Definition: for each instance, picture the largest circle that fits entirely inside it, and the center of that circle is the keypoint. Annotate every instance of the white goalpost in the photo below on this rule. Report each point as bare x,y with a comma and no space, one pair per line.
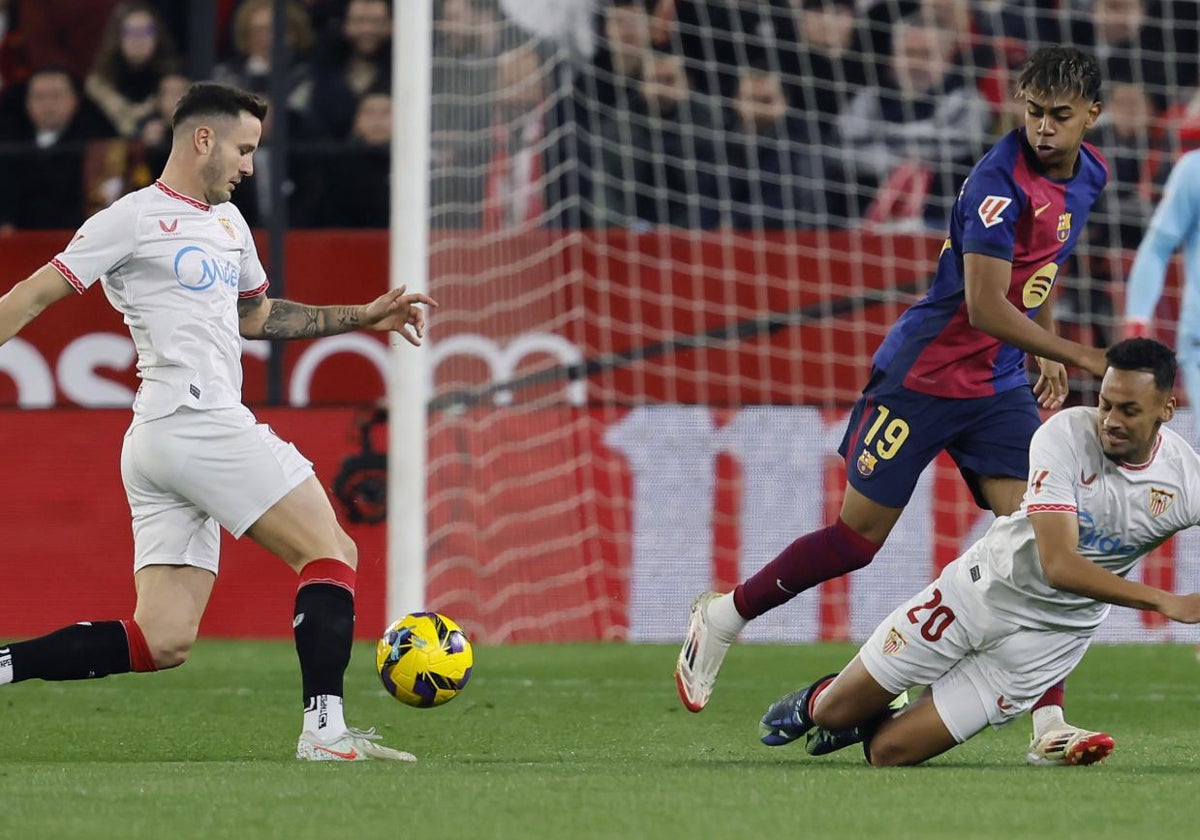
408,385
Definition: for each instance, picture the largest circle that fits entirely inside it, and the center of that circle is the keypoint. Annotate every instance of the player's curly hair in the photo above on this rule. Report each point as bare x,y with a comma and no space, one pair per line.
1055,71
209,99
1148,355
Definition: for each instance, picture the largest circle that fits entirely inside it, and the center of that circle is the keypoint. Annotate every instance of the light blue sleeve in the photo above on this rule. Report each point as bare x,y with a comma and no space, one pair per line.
1173,220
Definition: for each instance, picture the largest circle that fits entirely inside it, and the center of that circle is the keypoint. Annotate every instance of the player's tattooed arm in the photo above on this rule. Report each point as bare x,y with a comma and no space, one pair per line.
396,311
273,318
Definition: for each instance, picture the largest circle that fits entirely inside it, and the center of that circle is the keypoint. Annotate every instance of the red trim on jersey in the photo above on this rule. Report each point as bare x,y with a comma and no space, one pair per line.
1149,461
68,275
140,659
327,571
257,291
1099,156
1051,508
856,437
199,205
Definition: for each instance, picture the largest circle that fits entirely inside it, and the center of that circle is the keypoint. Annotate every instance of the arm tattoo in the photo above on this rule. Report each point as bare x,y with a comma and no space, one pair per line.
288,319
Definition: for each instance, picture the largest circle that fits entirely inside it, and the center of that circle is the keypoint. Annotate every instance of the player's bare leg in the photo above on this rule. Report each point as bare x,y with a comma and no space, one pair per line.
853,702
302,529
1054,741
716,619
170,603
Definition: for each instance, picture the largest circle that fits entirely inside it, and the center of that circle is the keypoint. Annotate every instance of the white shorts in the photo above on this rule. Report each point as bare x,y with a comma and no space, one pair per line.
187,472
983,669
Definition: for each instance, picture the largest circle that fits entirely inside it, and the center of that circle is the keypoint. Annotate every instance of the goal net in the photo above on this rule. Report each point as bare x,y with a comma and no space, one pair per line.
666,238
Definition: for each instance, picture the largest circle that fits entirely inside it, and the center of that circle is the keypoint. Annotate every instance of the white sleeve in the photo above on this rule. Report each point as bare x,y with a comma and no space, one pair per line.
253,277
1053,464
103,244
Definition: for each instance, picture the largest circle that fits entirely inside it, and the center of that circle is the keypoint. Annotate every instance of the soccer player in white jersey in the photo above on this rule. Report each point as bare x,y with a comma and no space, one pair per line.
1015,613
177,260
1176,223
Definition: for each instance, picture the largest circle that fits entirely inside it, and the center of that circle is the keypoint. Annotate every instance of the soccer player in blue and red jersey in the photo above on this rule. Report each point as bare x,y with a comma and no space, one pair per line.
950,375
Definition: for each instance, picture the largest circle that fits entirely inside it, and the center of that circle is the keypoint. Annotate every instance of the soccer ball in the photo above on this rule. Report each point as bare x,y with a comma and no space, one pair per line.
424,659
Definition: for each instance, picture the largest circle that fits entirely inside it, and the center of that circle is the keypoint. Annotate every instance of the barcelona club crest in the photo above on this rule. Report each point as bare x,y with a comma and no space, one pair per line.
866,464
1160,500
1064,227
228,225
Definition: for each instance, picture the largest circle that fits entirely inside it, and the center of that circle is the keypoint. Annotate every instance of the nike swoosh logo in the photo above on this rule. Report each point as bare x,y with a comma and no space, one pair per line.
349,754
1037,211
783,588
1086,480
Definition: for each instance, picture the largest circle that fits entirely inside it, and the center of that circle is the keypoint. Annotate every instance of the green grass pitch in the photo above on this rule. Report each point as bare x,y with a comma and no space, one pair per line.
570,741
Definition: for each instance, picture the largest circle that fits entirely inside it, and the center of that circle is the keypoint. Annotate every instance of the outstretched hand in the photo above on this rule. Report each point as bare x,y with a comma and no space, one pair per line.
1051,387
397,311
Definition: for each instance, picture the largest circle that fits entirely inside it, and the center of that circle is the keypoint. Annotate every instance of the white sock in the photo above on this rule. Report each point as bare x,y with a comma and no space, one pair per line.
726,621
323,717
1047,719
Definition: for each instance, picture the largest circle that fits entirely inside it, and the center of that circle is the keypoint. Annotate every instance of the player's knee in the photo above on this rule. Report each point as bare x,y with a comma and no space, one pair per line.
170,647
885,750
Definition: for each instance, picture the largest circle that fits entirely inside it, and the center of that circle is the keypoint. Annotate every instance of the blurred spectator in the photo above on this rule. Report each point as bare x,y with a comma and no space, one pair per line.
623,43
516,172
250,68
467,39
348,185
135,53
1123,135
773,180
324,15
922,114
824,67
659,166
13,61
155,129
355,59
719,38
64,34
1158,40
42,187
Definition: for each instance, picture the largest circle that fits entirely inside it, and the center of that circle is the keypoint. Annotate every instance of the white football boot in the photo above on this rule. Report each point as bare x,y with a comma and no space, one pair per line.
703,651
351,745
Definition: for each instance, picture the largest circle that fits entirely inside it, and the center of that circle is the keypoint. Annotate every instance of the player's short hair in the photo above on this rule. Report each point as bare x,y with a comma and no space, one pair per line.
1148,355
209,99
1053,71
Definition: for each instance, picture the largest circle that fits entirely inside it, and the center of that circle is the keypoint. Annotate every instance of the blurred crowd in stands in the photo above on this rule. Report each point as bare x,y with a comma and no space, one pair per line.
745,114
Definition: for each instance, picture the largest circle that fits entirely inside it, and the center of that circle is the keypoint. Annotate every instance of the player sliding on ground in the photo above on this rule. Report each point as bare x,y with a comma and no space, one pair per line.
950,376
177,260
1015,613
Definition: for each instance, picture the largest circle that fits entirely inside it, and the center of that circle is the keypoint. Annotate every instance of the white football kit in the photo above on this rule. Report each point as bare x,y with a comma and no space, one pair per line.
990,635
194,456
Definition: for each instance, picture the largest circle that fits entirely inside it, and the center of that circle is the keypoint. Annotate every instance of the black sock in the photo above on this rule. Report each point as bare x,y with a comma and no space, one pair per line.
324,630
79,652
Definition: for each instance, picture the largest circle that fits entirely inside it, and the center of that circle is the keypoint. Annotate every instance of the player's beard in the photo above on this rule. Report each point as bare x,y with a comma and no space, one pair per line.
216,187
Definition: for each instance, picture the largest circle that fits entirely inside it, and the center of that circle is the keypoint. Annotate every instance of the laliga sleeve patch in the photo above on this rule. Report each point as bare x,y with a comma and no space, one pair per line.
991,208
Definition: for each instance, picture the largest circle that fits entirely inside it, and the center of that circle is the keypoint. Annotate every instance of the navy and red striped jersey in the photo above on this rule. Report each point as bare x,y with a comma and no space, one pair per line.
1008,210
